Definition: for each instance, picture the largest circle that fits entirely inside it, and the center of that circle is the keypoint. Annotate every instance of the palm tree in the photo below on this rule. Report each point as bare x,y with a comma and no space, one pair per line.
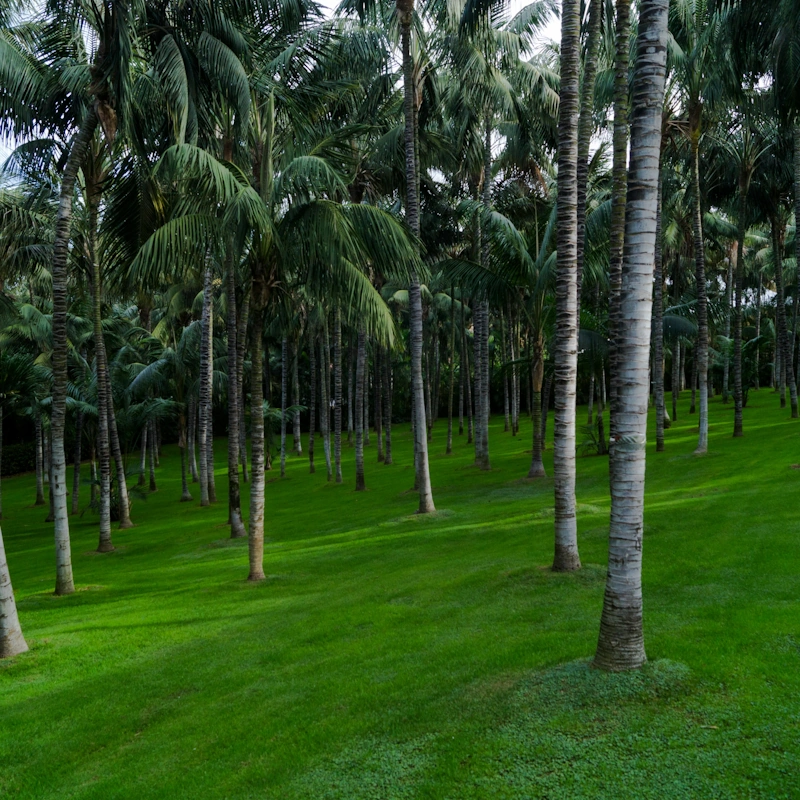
566,344
621,641
12,642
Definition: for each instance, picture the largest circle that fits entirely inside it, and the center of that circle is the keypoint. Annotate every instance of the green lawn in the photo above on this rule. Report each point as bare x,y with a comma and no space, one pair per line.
390,656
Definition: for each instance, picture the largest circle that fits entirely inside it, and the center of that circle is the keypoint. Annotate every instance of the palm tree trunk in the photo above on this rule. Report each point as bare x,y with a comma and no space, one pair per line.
738,386
701,345
786,373
585,130
143,455
566,346
312,401
504,337
186,496
658,325
728,297
377,386
64,580
105,544
325,407
452,356
366,399
337,392
206,374
387,416
241,348
621,642
123,504
360,359
234,402
350,392
152,452
37,425
284,381
76,463
537,368
191,437
676,377
255,537
1,461
297,442
693,379
477,323
405,10
468,384
12,642
93,470
619,192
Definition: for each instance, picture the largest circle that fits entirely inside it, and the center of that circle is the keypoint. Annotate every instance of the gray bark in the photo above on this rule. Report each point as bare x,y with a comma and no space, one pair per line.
621,642
12,642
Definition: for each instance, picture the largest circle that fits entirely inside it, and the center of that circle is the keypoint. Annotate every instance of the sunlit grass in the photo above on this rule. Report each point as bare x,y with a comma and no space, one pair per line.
394,656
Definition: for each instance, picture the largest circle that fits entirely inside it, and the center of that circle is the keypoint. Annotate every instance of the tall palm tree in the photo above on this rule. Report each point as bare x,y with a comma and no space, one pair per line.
621,641
566,344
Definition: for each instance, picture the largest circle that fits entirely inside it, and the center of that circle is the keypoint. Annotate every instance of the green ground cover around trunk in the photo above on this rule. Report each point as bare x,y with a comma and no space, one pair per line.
392,656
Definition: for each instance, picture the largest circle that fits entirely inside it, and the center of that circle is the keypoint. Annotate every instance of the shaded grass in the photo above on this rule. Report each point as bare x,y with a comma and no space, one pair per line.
396,656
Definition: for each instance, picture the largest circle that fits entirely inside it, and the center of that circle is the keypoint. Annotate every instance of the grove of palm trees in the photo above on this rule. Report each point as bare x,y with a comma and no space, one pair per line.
396,402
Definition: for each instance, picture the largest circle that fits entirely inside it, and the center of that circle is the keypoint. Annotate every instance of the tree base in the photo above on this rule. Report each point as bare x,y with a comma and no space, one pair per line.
566,559
537,471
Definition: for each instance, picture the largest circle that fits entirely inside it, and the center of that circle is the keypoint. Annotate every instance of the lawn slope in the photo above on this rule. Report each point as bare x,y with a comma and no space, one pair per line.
393,656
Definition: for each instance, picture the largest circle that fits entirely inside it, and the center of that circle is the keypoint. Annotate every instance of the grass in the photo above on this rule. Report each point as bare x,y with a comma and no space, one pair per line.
392,656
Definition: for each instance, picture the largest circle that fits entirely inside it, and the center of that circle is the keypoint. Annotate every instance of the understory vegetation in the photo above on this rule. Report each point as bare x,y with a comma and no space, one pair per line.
424,656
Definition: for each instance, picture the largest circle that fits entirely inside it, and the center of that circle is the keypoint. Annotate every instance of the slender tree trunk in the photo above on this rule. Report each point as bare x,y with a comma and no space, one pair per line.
621,641
619,192
64,580
76,464
325,407
297,442
1,461
255,535
124,505
701,345
470,406
405,10
585,130
93,470
12,642
284,381
378,394
142,455
658,325
566,347
693,404
312,401
206,376
676,377
152,450
537,368
37,425
506,396
234,401
452,357
728,298
192,437
337,392
477,323
186,496
366,399
241,349
105,544
738,384
350,392
360,359
387,389
786,373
